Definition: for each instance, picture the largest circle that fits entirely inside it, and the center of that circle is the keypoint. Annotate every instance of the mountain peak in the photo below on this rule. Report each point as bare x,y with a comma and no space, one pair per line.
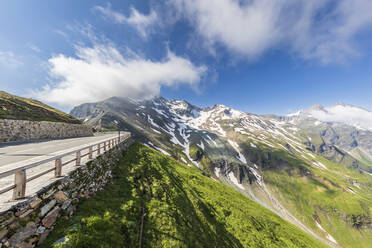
181,105
345,105
317,107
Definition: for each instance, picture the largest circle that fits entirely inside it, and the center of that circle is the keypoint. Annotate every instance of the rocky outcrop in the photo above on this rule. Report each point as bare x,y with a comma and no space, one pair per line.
22,130
28,223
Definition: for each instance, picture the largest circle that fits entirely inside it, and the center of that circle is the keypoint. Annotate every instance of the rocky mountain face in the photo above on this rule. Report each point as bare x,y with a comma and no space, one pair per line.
339,131
307,167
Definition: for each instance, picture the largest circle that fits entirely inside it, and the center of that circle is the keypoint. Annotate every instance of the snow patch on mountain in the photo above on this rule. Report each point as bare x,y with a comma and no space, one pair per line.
161,112
201,145
319,164
295,114
234,180
256,175
156,131
236,147
184,160
151,121
217,171
150,144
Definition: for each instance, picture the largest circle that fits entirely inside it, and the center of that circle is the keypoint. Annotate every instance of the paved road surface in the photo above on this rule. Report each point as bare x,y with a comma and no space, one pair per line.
20,152
18,155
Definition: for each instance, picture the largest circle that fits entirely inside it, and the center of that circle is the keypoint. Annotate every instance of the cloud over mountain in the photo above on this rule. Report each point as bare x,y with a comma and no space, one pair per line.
101,71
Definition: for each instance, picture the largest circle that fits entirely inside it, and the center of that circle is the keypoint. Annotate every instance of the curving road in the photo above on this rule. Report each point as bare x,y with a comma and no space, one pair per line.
13,155
17,152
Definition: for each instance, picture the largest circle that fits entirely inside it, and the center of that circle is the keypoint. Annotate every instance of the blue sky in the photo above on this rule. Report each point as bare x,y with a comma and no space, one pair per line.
257,56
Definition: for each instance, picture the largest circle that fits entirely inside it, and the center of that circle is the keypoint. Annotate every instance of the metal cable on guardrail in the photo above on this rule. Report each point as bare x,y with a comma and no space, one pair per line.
20,178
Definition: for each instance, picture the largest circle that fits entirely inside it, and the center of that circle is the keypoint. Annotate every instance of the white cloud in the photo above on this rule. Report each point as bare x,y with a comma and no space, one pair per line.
99,72
136,19
346,114
9,60
320,29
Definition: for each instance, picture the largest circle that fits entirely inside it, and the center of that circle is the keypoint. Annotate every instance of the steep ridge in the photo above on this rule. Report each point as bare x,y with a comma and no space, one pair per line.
20,108
287,164
156,201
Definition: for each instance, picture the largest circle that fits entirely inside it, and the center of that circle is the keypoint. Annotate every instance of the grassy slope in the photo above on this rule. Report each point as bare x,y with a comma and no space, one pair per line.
325,196
183,209
364,158
19,108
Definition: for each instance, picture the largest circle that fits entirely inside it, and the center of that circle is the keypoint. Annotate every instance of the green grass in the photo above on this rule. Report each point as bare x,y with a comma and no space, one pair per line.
200,156
20,108
325,194
181,208
364,159
310,192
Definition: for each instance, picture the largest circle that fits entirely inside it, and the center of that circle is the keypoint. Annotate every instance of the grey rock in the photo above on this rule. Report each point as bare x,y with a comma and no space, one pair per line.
66,204
40,229
22,234
35,203
47,207
25,214
40,130
51,217
3,233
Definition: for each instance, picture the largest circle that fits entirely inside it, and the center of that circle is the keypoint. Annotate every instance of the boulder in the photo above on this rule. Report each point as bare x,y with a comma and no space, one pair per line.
22,234
47,207
43,237
40,229
25,214
3,233
51,217
66,204
60,197
35,203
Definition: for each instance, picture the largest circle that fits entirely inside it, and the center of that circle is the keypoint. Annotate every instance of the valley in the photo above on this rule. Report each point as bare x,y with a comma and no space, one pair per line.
287,164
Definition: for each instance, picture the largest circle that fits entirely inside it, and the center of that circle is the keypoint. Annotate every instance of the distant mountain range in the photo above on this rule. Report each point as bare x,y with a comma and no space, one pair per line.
339,114
342,126
312,168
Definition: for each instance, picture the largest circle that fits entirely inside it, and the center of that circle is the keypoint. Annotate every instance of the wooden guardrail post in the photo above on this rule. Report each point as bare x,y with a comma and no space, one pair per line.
78,158
104,146
98,149
90,156
58,165
20,185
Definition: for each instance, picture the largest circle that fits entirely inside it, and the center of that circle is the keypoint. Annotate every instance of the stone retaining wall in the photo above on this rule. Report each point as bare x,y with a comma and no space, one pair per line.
27,224
22,130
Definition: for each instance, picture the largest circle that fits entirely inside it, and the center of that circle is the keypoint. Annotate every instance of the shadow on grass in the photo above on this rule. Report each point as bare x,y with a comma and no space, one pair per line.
176,215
